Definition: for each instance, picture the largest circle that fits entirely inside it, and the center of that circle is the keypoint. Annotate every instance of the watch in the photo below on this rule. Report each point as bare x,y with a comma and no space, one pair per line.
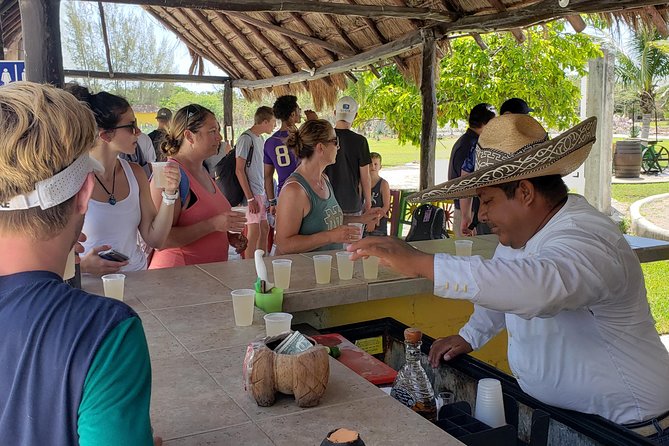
169,200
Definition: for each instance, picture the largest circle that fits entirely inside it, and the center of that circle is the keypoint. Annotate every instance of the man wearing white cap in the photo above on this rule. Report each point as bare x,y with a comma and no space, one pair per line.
74,367
349,175
564,282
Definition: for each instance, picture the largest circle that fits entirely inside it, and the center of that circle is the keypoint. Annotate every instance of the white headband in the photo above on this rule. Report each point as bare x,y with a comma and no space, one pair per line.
57,189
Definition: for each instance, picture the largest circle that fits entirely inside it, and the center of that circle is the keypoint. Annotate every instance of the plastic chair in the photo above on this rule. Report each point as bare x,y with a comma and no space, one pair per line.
394,211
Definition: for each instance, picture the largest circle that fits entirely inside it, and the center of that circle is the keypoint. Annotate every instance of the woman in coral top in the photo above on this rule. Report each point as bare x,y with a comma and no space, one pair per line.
202,217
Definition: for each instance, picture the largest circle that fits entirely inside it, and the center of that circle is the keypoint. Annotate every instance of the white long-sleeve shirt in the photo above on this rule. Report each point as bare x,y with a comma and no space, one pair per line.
573,301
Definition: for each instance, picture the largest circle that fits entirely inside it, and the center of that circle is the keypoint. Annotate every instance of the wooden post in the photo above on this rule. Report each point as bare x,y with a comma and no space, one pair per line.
228,128
41,39
2,45
428,136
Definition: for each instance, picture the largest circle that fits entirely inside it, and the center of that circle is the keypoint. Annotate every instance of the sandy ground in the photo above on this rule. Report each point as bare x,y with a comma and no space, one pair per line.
657,212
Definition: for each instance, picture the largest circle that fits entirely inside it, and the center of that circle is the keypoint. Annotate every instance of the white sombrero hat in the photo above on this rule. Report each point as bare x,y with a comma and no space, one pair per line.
513,147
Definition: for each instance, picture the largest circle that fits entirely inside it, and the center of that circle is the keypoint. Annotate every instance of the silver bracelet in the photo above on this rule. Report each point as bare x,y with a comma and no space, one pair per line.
169,200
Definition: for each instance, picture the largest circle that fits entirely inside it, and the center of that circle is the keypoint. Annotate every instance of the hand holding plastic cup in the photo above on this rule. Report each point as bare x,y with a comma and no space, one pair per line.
282,269
322,268
277,323
370,267
158,174
463,247
344,265
242,306
113,285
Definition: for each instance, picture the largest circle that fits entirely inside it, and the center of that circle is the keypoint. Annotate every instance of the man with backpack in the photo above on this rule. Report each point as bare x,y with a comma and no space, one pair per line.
250,173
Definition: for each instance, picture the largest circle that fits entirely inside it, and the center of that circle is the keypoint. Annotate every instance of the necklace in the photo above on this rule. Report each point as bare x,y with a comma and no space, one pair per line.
112,198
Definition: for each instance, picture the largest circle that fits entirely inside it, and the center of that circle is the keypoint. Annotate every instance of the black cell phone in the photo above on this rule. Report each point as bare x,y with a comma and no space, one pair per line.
113,255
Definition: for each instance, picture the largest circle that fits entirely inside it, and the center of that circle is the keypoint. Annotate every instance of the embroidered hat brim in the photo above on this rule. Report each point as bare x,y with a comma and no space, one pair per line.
558,156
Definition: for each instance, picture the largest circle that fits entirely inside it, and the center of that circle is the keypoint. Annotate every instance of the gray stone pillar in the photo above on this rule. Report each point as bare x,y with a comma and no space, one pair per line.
599,103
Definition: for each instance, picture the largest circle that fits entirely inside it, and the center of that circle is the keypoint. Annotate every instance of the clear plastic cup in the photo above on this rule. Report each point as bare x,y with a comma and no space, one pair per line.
370,267
360,227
113,285
282,269
323,268
277,323
463,247
344,265
489,403
158,174
242,306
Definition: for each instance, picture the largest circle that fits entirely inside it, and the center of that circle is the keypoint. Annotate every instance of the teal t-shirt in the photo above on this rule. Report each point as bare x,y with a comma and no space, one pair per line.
114,408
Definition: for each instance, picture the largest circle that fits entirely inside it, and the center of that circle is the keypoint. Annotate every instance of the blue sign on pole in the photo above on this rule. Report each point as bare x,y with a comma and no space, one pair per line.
12,71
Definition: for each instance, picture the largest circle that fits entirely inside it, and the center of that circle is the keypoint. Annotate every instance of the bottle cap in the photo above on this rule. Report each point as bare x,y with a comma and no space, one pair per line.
413,335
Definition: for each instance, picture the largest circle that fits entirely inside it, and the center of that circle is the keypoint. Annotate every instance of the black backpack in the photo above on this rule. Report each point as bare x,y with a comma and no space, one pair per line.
427,223
226,177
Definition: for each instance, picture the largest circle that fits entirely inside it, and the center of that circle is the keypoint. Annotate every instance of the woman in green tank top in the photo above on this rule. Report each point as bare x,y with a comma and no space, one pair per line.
308,217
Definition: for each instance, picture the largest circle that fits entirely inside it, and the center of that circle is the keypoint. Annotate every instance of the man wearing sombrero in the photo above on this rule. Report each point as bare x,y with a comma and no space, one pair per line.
564,282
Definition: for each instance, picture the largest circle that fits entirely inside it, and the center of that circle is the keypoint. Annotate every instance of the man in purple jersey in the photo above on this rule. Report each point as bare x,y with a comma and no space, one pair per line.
277,156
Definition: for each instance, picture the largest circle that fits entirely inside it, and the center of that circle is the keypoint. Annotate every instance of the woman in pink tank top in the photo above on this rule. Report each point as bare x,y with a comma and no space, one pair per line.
202,217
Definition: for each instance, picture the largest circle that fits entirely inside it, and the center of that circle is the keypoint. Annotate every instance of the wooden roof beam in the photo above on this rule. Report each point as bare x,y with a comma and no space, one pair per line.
204,52
276,51
287,32
151,77
500,7
231,26
156,13
224,42
322,7
577,22
380,53
294,46
658,20
537,13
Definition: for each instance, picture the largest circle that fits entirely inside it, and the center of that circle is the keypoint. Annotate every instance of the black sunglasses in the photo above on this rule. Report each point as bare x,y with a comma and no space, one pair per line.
132,126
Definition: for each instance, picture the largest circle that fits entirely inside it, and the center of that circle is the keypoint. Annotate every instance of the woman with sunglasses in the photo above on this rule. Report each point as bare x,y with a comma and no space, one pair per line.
203,216
307,194
121,206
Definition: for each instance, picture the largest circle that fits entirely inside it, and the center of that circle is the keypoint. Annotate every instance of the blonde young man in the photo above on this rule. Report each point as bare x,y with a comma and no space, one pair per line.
250,173
74,368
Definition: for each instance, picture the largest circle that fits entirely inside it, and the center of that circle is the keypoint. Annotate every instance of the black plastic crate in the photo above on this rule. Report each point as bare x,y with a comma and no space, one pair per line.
535,432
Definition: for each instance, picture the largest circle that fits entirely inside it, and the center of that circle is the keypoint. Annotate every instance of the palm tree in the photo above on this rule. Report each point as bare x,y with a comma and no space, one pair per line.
641,66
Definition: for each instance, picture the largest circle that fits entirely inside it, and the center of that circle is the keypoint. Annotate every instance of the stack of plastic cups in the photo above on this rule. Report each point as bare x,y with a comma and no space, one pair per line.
489,403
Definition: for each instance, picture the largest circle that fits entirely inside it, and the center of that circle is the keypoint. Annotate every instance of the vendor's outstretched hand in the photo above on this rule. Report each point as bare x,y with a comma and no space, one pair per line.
396,254
448,348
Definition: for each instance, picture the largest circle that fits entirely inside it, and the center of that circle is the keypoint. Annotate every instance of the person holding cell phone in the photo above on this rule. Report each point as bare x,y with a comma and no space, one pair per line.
121,209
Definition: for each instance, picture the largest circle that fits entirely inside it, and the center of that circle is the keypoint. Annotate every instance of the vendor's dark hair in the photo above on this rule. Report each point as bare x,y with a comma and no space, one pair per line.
284,106
304,140
190,117
106,107
550,186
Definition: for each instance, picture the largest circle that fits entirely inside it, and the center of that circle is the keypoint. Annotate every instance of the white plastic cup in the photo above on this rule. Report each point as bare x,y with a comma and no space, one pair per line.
158,169
277,323
113,285
242,306
444,399
490,403
322,268
69,266
282,269
463,247
370,267
344,265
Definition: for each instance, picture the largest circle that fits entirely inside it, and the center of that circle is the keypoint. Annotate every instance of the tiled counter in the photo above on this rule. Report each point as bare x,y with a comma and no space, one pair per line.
196,356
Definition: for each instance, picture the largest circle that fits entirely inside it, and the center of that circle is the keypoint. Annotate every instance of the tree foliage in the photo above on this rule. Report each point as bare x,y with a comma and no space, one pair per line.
133,48
544,71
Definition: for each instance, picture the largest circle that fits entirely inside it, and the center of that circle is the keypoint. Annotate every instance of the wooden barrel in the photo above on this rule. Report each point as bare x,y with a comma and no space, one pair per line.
627,158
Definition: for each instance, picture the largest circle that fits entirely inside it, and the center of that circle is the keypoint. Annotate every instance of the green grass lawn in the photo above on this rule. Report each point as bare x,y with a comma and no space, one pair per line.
396,155
655,273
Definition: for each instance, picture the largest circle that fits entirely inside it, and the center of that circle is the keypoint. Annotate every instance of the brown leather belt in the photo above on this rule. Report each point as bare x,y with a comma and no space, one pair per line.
647,428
